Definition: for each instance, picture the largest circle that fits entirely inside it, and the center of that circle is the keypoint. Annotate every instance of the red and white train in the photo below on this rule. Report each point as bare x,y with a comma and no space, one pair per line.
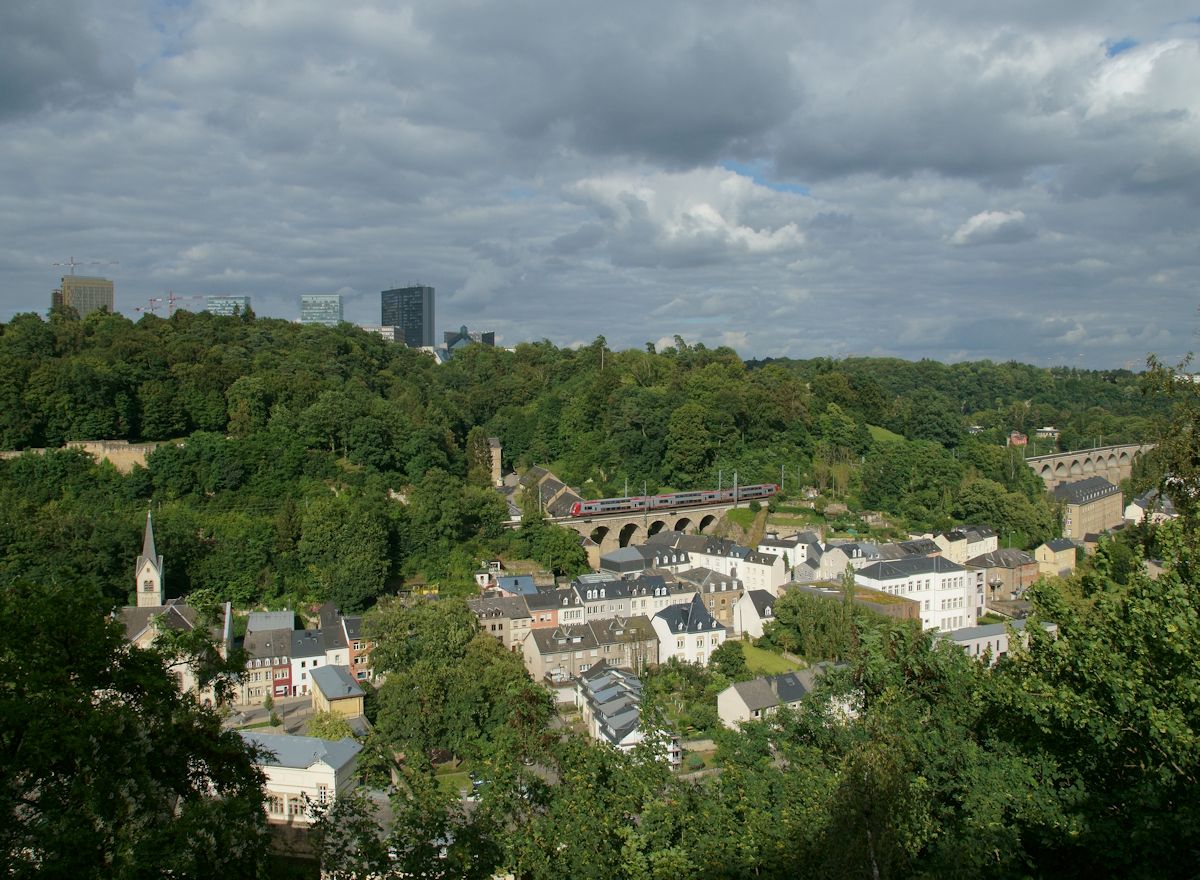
671,500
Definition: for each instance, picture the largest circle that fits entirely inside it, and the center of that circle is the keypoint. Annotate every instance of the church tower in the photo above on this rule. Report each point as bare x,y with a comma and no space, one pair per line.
148,572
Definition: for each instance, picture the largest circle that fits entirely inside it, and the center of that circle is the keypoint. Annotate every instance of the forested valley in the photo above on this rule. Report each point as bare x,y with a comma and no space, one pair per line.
300,464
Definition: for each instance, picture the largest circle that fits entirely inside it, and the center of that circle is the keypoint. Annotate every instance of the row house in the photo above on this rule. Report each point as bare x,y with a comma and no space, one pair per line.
650,594
268,665
688,633
1056,558
308,653
551,608
793,550
756,570
718,592
609,702
359,651
946,592
561,653
505,618
602,596
633,560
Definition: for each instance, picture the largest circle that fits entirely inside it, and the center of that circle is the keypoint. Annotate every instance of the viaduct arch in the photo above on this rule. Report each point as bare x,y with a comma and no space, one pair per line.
1114,463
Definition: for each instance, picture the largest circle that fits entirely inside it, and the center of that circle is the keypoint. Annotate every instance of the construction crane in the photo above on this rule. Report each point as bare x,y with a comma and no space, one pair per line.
173,298
72,263
152,305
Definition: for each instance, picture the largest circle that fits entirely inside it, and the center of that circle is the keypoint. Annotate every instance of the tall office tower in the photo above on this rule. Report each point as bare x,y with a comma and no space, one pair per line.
321,308
227,305
83,294
411,309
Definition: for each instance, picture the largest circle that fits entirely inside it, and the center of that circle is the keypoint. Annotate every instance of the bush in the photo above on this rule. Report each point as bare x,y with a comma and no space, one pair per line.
755,506
694,762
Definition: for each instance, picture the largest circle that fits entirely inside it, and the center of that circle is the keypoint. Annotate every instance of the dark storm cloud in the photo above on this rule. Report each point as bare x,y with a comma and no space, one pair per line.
949,179
50,58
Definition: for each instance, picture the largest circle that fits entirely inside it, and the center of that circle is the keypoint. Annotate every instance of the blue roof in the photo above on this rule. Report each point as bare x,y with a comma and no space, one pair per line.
335,682
522,584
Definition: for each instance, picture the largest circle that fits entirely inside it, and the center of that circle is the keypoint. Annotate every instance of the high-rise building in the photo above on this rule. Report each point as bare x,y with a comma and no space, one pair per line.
227,305
83,294
321,308
411,309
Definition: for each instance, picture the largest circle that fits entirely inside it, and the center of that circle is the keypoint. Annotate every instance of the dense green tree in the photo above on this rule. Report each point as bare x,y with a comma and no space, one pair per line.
104,720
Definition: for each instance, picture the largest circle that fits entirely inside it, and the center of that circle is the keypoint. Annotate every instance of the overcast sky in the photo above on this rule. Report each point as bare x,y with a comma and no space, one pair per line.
950,179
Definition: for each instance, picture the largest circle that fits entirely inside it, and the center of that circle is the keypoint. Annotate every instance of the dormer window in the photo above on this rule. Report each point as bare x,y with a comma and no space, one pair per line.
147,585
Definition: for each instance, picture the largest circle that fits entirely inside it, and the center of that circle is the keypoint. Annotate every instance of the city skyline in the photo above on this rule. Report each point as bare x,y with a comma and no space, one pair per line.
911,180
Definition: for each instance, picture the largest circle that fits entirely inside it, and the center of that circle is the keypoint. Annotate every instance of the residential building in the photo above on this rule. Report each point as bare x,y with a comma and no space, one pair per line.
84,294
1016,438
1009,573
333,690
515,584
1090,506
753,610
303,773
1047,433
609,702
756,570
688,633
1150,504
411,309
263,620
337,648
308,653
639,558
992,641
760,698
551,608
718,592
505,618
227,306
1056,557
980,540
268,665
561,653
360,649
321,308
651,593
945,590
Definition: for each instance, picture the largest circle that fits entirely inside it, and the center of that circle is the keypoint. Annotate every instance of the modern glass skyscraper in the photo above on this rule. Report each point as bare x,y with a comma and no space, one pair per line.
321,308
410,309
227,305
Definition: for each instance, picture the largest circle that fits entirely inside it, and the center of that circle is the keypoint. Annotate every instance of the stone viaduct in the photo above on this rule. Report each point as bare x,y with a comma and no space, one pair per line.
1114,463
622,529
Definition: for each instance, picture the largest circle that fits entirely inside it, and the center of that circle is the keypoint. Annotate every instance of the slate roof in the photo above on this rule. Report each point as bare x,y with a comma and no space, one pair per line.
760,558
263,620
176,615
308,643
690,618
920,547
912,565
301,752
616,630
268,644
707,580
1150,500
596,591
335,683
1058,545
987,630
562,639
1085,491
510,607
544,600
1007,558
331,626
353,627
149,553
764,603
775,690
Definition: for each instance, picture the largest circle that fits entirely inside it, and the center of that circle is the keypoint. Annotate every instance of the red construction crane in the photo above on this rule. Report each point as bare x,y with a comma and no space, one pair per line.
173,298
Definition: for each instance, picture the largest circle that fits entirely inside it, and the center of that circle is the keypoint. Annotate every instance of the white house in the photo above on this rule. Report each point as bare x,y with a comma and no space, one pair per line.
992,640
688,633
1150,504
303,773
756,699
308,653
752,611
945,590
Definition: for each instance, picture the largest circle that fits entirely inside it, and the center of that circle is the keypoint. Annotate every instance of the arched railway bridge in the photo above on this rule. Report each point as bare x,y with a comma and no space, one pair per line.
1114,463
615,530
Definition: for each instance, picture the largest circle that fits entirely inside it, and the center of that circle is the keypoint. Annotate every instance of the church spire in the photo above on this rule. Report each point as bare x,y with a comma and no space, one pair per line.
148,572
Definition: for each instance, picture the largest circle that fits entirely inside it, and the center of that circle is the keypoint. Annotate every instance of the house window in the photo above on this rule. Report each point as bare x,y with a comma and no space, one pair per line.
322,793
679,643
275,805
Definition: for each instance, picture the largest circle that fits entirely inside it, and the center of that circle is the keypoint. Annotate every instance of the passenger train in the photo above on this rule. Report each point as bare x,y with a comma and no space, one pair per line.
671,500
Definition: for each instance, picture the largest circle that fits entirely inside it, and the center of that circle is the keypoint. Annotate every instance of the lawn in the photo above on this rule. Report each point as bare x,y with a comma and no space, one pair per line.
763,662
742,516
883,435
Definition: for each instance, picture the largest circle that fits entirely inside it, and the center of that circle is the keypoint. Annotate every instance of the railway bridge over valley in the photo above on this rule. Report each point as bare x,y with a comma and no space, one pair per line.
615,530
1114,463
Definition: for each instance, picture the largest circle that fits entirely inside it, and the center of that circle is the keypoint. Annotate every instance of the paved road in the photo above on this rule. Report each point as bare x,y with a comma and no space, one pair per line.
294,712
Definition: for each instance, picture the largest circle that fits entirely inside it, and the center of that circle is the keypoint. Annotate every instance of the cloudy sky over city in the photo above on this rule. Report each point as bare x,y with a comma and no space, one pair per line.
949,179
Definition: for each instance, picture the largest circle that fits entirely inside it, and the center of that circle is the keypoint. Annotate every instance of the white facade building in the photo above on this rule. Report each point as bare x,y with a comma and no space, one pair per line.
303,773
688,633
945,590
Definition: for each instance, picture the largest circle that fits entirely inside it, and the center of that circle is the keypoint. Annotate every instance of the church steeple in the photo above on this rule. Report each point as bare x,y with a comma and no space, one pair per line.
148,572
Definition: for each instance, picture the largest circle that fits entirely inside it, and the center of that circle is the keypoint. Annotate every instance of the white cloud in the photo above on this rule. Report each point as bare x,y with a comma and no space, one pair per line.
993,227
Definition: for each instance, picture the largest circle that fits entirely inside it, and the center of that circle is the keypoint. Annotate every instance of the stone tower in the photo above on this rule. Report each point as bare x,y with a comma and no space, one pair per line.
148,572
